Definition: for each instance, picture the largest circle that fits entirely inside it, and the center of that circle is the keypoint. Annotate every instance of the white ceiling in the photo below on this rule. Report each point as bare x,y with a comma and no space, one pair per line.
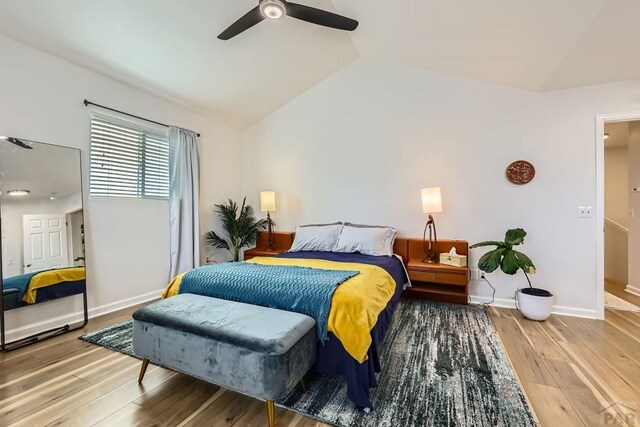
170,47
534,45
43,170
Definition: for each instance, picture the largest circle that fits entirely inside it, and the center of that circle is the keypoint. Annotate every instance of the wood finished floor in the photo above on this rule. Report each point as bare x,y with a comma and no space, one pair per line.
618,289
569,369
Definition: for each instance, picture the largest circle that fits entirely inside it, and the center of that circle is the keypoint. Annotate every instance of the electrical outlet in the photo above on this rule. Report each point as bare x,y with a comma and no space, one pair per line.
482,275
477,274
585,212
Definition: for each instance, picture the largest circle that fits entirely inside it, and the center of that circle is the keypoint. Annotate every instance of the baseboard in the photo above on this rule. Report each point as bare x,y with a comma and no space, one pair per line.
498,302
574,312
557,309
632,290
76,317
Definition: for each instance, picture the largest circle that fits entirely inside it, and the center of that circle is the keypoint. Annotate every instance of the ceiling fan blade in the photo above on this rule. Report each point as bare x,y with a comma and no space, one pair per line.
320,17
253,17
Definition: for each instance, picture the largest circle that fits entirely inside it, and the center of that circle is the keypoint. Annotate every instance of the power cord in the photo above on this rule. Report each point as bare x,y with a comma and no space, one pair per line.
484,305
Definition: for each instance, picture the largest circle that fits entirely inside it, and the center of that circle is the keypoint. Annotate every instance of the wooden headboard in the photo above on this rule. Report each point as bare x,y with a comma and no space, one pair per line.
401,247
284,239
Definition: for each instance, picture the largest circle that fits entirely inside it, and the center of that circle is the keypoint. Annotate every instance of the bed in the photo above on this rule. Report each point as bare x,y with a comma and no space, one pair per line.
336,356
34,288
332,358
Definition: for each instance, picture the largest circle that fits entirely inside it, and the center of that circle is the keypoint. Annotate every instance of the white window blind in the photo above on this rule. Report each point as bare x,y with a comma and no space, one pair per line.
128,161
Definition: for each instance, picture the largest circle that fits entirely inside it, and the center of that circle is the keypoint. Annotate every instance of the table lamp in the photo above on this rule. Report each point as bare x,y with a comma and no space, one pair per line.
268,204
431,203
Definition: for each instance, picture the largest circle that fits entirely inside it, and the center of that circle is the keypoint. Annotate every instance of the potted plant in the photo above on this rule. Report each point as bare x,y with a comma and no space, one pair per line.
241,226
533,303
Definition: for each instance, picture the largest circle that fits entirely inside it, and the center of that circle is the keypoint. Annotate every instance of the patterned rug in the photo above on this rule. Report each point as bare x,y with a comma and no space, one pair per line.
443,365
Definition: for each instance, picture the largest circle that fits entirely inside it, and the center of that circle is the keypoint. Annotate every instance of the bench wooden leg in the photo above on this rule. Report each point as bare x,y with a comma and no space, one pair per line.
271,413
143,369
303,386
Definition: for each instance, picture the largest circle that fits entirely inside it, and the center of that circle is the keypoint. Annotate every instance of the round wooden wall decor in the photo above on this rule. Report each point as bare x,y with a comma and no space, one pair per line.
520,172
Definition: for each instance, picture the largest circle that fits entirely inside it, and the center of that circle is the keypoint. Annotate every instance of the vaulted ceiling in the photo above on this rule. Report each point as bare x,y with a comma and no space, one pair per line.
170,47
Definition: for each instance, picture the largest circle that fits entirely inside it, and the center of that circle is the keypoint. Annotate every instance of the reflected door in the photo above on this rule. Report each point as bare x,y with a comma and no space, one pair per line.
45,242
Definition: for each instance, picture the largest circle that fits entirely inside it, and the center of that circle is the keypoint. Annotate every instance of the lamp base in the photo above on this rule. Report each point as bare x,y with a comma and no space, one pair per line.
270,232
430,246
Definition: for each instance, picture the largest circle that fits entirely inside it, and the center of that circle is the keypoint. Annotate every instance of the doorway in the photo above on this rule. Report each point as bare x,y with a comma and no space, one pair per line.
621,224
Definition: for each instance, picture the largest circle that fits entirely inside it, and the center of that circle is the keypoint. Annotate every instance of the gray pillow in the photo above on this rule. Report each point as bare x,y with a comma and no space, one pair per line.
366,239
316,237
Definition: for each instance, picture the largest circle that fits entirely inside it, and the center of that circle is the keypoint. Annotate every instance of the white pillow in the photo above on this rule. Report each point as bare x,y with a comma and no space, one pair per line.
316,237
369,240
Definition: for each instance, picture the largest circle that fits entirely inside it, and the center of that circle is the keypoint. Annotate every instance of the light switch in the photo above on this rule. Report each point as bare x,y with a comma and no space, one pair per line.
9,261
585,212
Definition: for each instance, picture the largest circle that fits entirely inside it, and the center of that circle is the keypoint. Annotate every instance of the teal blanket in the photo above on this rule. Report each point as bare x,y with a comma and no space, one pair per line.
20,282
300,289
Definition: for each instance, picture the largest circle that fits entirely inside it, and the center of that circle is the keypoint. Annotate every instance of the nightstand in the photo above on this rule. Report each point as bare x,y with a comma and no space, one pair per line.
435,281
282,242
250,253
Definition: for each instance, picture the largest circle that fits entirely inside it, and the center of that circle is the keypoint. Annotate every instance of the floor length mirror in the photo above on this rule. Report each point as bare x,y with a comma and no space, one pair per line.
41,230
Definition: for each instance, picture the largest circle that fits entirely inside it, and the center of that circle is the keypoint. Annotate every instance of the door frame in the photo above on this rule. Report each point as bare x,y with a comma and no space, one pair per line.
601,119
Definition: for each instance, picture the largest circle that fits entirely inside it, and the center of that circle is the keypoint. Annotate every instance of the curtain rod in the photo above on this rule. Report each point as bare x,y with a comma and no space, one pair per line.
86,103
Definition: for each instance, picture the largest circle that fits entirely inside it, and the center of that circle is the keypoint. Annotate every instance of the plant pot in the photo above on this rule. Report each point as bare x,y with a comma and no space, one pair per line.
534,303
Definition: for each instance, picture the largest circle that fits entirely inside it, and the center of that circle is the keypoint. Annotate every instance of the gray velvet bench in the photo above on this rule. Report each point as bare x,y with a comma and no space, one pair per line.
258,351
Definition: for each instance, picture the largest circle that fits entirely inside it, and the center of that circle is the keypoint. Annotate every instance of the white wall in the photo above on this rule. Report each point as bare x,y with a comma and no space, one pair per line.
126,240
634,204
616,209
361,144
616,184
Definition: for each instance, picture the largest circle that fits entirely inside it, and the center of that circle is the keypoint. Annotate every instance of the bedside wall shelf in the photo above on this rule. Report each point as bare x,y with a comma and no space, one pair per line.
439,282
282,241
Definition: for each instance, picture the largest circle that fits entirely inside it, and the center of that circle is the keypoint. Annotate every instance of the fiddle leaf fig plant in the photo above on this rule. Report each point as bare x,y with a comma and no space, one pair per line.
504,256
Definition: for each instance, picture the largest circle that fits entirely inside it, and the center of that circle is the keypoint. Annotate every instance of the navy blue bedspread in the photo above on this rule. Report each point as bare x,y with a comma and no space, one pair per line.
333,359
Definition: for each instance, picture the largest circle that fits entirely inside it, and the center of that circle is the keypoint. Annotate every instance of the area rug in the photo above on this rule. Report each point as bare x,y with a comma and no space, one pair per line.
616,303
443,365
115,337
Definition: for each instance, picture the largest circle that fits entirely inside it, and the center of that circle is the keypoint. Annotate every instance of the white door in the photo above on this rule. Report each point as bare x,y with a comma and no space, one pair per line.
45,242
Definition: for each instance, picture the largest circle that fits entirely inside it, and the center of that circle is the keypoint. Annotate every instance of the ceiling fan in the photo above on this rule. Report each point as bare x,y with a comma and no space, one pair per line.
277,9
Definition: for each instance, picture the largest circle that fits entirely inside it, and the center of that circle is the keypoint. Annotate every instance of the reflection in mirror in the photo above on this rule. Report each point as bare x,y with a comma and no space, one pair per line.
42,226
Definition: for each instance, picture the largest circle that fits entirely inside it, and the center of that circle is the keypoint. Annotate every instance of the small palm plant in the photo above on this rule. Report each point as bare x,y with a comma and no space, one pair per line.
241,226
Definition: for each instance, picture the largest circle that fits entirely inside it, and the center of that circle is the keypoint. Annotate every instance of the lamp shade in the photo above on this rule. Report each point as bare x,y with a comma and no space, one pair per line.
431,200
267,201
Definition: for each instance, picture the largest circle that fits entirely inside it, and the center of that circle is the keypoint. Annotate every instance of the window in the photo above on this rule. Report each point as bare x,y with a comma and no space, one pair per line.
127,160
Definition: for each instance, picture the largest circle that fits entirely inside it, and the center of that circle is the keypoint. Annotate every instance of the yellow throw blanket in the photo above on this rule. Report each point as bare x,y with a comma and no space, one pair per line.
50,278
355,305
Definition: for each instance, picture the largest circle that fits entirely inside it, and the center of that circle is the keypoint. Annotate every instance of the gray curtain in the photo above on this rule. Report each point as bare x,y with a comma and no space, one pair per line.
184,200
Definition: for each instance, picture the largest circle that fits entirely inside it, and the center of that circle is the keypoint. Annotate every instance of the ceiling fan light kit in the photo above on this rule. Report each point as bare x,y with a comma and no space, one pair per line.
273,9
18,193
278,9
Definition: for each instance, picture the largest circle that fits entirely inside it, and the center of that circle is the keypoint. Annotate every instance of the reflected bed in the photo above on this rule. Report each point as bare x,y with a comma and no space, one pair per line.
33,288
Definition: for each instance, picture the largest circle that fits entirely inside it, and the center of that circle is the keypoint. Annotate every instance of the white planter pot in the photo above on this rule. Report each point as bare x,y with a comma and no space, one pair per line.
534,307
